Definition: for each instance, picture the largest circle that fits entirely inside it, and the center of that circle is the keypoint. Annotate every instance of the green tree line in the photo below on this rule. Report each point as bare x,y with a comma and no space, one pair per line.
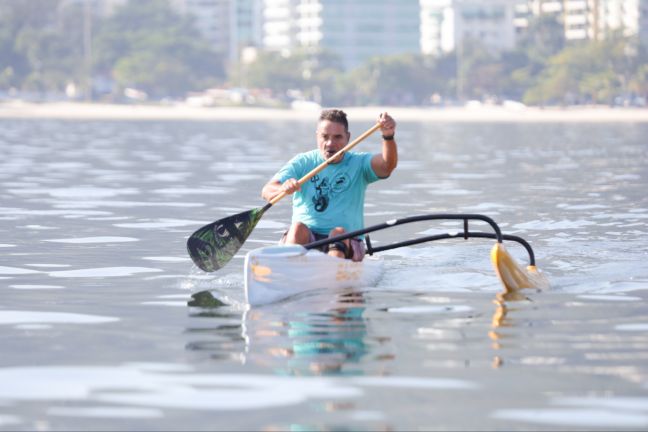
147,46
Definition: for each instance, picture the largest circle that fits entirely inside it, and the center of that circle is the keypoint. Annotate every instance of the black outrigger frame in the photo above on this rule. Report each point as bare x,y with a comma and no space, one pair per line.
466,234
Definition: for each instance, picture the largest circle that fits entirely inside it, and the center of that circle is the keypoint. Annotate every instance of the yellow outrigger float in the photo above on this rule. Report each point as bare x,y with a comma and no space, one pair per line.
277,272
513,276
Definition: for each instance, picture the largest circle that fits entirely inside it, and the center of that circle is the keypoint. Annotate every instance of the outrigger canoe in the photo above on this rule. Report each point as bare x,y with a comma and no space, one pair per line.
275,273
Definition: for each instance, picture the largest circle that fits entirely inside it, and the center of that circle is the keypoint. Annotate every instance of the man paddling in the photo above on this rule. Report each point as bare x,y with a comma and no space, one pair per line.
332,202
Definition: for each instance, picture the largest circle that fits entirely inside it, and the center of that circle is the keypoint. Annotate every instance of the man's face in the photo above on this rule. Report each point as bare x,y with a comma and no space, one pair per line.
331,137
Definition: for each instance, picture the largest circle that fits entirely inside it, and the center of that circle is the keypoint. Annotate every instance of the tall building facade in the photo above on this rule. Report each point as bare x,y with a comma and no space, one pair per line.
628,16
279,24
354,29
589,19
447,24
643,21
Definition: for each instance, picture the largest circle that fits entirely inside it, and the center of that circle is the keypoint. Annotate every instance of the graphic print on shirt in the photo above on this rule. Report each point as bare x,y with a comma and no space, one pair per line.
327,190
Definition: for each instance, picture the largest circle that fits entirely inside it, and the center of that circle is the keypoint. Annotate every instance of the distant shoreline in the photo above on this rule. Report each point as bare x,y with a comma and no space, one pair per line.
486,113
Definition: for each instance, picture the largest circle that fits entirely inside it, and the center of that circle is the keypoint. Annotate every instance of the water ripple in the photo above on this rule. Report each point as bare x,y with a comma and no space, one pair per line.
102,272
149,385
92,240
36,317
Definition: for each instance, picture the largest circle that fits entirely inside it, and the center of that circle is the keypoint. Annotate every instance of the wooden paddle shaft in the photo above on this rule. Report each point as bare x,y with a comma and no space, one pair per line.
324,164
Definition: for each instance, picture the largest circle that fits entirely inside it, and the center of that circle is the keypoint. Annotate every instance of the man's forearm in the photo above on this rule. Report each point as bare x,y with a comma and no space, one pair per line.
271,190
390,154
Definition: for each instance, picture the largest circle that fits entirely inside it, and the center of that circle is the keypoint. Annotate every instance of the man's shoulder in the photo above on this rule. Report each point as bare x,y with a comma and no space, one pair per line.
309,156
359,157
357,154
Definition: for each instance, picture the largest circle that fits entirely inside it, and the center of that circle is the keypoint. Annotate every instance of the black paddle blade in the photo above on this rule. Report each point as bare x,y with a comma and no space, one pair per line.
214,245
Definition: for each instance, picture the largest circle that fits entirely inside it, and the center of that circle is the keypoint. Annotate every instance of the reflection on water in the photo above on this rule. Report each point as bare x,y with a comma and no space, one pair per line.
100,329
326,342
293,341
501,318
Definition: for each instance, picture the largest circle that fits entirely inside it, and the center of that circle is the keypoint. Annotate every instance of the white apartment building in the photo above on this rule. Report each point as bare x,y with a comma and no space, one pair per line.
354,29
643,21
589,19
279,24
447,24
630,16
228,25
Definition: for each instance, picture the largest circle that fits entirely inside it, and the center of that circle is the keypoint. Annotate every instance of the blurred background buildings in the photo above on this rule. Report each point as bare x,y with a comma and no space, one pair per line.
360,29
364,28
327,51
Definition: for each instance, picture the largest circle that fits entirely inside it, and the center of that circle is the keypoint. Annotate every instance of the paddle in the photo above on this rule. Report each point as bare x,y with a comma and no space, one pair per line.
214,245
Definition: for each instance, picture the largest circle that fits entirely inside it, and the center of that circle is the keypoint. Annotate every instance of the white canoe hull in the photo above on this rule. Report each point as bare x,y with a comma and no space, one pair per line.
277,272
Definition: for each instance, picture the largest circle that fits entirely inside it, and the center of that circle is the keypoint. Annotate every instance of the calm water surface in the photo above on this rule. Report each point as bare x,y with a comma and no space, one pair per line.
104,323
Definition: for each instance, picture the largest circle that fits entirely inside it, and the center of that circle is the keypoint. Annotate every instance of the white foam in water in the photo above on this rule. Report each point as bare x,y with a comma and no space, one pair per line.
270,224
167,259
68,212
452,192
34,317
6,245
148,386
430,309
491,208
192,191
582,206
621,216
553,225
169,300
33,326
35,287
124,204
585,418
166,303
6,420
436,277
615,298
103,272
638,327
416,382
76,192
161,223
39,227
90,240
617,403
16,271
105,412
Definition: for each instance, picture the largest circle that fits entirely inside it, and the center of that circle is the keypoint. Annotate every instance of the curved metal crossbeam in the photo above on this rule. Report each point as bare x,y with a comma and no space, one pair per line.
465,234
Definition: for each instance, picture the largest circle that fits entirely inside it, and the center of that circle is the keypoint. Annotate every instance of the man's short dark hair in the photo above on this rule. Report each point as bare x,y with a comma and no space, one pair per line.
336,116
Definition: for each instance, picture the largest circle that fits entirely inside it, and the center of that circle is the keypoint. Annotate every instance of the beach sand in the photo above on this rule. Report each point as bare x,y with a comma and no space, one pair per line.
484,113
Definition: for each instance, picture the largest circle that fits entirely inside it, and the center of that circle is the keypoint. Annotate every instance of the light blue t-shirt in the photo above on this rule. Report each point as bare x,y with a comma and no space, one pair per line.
335,196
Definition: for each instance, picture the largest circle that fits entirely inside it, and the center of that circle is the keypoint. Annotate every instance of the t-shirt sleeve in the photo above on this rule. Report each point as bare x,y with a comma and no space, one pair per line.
369,174
290,170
